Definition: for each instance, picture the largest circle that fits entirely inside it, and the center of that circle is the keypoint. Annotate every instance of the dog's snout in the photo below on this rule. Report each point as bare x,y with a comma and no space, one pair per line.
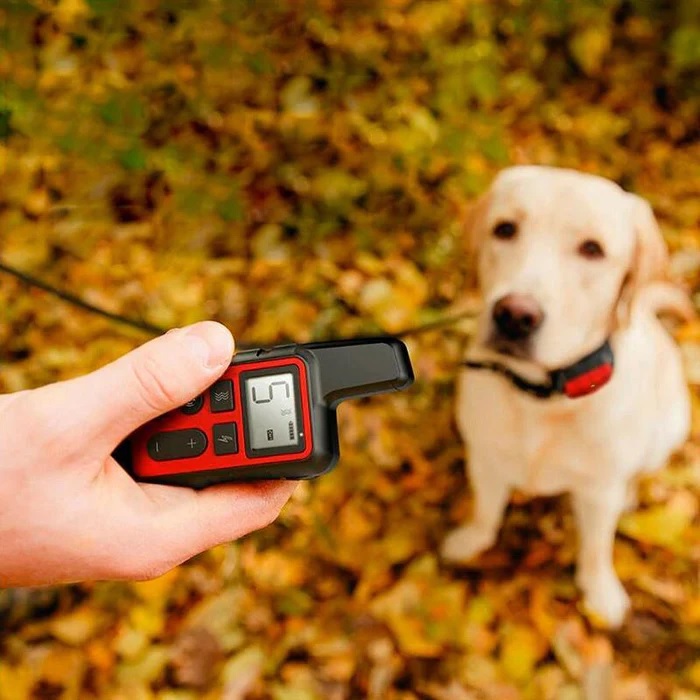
517,316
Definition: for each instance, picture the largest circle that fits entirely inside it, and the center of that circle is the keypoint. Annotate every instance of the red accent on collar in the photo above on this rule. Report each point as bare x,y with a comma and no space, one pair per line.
588,382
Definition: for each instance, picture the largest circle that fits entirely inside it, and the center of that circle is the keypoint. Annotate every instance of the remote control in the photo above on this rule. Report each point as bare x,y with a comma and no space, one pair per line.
271,415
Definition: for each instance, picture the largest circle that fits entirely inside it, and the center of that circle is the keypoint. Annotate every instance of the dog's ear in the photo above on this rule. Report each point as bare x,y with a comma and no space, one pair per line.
650,257
473,234
473,223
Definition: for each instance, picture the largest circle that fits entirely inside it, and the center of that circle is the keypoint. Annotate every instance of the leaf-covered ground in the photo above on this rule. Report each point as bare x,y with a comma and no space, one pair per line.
299,170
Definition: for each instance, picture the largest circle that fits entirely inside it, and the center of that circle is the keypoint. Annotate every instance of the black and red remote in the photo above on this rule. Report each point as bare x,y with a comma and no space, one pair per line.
271,415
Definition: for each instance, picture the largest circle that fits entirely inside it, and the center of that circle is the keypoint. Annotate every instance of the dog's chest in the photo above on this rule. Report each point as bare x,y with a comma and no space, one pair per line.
537,447
547,463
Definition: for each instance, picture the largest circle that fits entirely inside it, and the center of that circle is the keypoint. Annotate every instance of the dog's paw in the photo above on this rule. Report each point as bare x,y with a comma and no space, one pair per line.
605,597
466,542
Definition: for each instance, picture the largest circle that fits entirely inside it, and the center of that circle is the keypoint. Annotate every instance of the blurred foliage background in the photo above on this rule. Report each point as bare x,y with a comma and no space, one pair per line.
299,170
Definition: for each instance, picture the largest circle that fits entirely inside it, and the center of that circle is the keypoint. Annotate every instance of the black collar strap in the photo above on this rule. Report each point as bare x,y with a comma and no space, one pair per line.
580,379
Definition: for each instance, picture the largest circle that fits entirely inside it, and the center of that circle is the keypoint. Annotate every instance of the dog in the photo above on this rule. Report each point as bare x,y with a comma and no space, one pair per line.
572,383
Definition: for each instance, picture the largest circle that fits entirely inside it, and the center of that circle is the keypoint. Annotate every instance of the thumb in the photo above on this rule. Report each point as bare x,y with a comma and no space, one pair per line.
160,375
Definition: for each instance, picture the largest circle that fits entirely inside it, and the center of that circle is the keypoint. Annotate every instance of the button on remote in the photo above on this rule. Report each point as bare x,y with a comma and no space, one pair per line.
225,439
221,396
193,406
177,444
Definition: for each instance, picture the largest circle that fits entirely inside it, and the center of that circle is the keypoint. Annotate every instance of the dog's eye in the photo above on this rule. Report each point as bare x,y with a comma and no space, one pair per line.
505,230
591,250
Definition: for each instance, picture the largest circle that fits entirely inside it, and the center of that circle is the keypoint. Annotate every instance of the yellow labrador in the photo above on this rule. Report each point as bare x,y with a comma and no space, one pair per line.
572,383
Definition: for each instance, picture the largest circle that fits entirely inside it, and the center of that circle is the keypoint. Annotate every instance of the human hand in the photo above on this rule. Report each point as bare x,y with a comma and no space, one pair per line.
69,512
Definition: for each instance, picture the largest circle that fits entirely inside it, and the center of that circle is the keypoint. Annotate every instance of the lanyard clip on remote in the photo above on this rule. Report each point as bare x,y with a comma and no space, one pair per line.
271,415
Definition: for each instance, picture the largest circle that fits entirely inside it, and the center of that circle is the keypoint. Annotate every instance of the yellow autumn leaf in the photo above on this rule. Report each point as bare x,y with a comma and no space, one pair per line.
77,627
590,47
401,610
691,611
16,681
663,525
64,667
156,590
67,12
521,648
692,673
147,619
355,523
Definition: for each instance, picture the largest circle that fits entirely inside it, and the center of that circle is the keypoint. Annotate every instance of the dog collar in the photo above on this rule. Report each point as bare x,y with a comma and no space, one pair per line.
579,379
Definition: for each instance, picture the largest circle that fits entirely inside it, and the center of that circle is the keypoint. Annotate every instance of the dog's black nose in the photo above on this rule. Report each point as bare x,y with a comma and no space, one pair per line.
517,316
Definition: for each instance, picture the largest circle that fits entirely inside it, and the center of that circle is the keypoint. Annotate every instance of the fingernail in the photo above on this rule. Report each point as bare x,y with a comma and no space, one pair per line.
210,342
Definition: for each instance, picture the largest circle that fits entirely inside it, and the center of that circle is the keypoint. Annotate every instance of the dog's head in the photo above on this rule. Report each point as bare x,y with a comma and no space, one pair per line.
560,256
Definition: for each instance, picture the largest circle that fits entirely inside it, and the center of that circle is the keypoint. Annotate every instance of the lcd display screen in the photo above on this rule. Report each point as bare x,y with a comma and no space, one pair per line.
271,410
